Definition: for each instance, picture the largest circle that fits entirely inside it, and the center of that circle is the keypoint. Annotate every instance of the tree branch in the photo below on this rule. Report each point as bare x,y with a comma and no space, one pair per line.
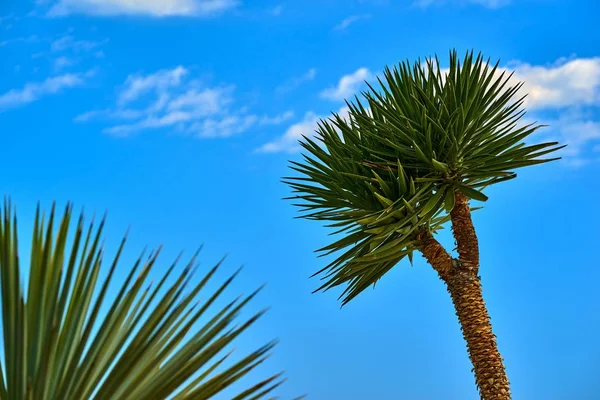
464,233
435,254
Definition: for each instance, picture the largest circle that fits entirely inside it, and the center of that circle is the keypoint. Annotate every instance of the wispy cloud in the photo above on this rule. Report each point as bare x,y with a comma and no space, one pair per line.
33,91
66,50
223,127
295,82
62,62
7,21
347,85
137,85
153,8
579,131
342,26
21,39
492,4
277,10
170,98
566,96
568,82
69,43
558,95
289,141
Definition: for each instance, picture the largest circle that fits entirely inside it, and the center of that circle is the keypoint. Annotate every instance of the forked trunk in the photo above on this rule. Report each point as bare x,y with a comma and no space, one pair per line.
463,284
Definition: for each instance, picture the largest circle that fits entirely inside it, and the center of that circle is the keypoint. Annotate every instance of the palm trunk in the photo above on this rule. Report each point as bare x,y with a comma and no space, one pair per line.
490,373
463,284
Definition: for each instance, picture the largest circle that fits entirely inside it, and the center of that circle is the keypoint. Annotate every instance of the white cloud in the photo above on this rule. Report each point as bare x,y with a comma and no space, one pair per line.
234,124
203,102
22,39
294,83
89,115
564,87
62,62
154,8
492,4
277,119
137,85
7,21
342,26
169,99
35,90
567,82
151,121
224,127
578,130
572,82
569,88
277,10
307,127
348,85
120,114
289,141
68,42
65,50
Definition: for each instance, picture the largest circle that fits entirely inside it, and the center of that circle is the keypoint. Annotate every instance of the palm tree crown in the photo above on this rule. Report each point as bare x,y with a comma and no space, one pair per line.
387,173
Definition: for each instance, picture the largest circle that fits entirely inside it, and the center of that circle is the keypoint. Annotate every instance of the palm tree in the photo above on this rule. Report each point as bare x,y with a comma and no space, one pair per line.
396,169
149,344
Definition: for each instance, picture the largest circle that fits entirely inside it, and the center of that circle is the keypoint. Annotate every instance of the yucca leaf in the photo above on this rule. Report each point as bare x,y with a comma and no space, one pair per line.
57,345
472,193
430,130
449,201
432,203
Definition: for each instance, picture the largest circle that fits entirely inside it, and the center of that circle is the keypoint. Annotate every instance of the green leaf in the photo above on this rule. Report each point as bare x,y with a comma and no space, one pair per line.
387,190
440,166
384,201
147,344
431,129
472,193
449,201
432,203
412,188
420,153
367,220
401,179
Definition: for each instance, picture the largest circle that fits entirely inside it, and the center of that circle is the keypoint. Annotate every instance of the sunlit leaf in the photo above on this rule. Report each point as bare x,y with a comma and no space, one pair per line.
151,342
425,129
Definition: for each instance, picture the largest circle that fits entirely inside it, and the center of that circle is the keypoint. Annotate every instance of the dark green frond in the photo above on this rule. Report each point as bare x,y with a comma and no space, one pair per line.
152,343
391,168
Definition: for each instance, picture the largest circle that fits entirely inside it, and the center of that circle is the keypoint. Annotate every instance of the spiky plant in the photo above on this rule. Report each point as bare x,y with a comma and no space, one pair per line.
405,162
151,343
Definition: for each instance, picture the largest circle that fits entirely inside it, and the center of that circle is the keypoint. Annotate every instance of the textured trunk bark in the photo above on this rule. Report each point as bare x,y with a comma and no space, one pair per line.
463,284
490,373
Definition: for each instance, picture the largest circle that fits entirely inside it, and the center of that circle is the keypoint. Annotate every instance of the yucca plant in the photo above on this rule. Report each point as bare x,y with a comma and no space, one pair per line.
404,162
153,342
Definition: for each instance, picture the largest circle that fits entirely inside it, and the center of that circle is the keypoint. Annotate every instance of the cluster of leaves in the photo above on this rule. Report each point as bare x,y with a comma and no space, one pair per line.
147,346
391,168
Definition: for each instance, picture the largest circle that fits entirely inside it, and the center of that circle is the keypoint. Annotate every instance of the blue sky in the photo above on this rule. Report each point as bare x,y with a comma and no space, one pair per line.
178,118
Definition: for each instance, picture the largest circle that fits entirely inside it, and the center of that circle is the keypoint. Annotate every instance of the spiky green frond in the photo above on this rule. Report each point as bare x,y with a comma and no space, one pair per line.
391,168
152,343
